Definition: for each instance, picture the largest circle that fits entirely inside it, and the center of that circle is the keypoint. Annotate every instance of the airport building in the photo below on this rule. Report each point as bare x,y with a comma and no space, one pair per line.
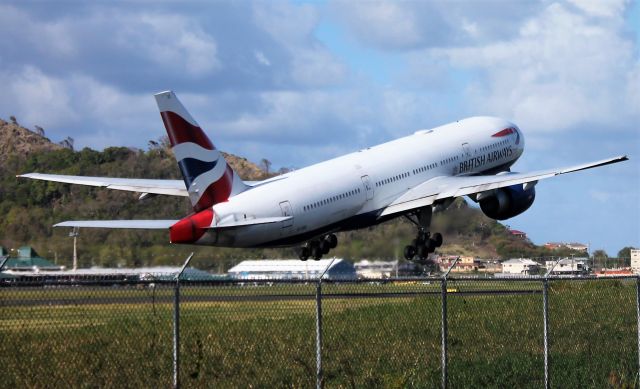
520,266
28,260
292,269
569,266
376,269
635,261
28,265
112,274
468,264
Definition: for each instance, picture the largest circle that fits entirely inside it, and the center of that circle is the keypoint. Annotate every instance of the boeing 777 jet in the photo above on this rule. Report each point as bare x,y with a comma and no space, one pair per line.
411,177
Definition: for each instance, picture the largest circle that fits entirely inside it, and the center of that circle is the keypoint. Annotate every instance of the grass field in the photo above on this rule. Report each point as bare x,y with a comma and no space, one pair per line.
494,340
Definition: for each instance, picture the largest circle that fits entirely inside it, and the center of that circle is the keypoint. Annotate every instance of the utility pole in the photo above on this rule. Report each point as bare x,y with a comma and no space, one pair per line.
74,234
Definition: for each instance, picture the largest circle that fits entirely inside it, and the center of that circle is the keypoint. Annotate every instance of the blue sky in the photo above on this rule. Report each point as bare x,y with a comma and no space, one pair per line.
300,82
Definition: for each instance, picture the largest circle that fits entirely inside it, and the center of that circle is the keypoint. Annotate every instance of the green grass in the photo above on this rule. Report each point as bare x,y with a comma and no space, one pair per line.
494,340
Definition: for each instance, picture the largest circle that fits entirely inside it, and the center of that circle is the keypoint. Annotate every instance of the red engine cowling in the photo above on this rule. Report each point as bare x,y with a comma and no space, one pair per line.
191,228
508,202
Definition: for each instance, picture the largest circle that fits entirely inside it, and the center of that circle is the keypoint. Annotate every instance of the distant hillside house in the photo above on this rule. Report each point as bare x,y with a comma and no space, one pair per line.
292,269
518,234
522,266
572,246
577,246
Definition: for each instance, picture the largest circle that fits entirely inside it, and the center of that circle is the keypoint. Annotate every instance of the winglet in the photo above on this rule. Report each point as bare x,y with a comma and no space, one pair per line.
206,174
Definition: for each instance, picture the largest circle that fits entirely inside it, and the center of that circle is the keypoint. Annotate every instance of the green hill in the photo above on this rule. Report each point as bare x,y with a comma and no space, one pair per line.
30,208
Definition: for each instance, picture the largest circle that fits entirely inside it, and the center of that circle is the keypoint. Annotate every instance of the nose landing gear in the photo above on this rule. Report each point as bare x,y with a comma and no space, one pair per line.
318,247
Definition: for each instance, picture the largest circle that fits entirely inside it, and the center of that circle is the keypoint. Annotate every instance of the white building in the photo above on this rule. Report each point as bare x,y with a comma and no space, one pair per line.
635,261
292,269
103,273
523,266
376,269
567,266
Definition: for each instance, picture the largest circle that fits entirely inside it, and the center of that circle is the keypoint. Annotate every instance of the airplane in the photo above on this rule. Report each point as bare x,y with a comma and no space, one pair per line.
410,177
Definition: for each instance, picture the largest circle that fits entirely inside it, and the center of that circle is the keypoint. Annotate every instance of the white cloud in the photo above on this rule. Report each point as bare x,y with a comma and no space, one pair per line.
601,8
313,65
562,70
292,117
600,196
51,38
389,25
94,113
171,41
384,24
261,58
36,98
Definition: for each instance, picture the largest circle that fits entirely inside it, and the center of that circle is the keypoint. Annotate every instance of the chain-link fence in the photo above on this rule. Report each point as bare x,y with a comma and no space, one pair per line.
414,332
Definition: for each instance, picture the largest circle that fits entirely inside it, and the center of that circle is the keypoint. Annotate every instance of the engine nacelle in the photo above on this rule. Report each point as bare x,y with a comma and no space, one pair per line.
508,202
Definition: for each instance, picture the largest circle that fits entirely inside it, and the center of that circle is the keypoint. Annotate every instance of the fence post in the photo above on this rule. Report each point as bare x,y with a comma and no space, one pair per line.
176,334
444,332
545,318
319,382
445,377
176,325
638,320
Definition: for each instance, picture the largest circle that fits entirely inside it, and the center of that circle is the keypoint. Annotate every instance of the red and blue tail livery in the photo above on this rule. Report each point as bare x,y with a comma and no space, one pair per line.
207,176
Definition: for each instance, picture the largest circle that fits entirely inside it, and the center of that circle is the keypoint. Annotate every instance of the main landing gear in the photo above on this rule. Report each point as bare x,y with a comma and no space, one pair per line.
424,243
318,247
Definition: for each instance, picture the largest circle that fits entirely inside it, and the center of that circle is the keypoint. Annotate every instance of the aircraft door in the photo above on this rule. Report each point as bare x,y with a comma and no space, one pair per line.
367,187
286,209
467,151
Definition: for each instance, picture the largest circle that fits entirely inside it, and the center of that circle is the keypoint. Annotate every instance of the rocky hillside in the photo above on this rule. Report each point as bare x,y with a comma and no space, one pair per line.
15,139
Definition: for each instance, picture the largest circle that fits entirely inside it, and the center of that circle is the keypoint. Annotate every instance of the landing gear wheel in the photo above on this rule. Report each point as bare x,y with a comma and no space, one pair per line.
325,246
316,252
304,253
332,239
437,239
423,252
409,252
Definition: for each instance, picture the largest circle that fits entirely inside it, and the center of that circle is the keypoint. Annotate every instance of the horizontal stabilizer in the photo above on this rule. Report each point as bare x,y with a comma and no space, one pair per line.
132,224
141,185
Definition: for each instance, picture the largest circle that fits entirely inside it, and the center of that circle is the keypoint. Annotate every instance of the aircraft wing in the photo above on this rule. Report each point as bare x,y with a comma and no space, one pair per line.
141,185
440,188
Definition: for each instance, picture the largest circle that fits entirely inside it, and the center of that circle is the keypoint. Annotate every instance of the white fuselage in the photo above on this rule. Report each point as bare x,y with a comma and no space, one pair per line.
350,191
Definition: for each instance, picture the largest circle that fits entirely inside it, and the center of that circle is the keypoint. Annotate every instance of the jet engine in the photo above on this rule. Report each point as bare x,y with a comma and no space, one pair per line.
508,202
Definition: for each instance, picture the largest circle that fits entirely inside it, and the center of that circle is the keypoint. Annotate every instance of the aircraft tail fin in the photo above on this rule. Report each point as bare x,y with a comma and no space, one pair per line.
206,174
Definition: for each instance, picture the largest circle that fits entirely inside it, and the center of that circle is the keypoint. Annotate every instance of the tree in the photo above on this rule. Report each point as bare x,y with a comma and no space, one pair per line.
625,255
265,165
67,143
600,256
625,252
39,131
